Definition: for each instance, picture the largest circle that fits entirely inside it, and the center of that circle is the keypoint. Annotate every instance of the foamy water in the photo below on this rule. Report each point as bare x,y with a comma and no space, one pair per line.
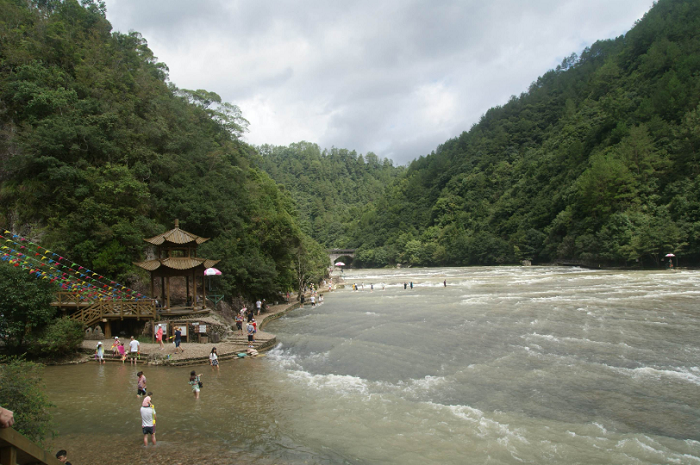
504,365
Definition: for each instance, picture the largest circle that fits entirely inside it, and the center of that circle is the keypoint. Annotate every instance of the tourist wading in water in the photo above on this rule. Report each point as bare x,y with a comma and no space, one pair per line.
214,359
196,383
141,384
100,353
148,419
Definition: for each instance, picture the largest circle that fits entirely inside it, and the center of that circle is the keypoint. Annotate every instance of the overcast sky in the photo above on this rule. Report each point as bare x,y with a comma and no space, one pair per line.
394,77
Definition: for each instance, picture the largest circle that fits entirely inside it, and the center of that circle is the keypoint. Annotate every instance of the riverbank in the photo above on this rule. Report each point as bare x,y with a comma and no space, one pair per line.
196,353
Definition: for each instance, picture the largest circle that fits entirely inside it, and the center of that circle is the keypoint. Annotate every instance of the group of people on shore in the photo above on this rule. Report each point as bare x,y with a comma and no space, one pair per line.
118,350
251,326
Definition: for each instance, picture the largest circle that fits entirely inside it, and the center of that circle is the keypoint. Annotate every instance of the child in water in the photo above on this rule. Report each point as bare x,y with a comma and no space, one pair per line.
100,353
195,383
122,353
214,359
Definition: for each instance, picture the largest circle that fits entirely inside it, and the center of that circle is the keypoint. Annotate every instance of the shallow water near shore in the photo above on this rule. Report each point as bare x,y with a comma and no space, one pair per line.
504,365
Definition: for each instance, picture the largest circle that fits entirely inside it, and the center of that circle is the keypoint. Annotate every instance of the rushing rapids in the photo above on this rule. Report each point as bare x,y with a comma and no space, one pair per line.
502,365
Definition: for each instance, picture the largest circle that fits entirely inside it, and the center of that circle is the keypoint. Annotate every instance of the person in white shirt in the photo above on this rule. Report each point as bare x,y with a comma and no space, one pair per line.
134,350
258,305
214,359
148,420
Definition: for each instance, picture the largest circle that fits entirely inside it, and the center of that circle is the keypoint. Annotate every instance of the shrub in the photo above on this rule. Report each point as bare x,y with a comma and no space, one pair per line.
61,337
21,391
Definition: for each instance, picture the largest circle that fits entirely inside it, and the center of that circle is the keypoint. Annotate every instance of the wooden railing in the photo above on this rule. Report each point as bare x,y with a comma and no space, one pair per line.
17,449
113,309
69,299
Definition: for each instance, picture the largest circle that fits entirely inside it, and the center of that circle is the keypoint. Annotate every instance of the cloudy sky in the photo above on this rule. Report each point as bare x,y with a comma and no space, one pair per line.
394,77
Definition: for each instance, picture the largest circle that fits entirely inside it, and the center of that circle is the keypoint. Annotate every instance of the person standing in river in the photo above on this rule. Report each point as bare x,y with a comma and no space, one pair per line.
141,384
100,353
444,283
214,359
195,383
148,420
411,284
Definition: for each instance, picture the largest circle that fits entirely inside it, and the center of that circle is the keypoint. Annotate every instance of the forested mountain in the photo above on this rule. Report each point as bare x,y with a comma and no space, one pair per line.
98,150
598,161
329,187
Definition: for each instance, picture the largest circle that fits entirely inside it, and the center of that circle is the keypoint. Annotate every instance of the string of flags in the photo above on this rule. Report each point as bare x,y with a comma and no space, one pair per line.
68,275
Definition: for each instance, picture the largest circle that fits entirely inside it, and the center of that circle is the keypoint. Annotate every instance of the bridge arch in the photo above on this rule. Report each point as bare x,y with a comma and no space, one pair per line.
335,254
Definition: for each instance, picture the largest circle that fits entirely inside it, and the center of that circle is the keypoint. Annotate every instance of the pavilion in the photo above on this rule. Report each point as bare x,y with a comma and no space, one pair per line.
176,256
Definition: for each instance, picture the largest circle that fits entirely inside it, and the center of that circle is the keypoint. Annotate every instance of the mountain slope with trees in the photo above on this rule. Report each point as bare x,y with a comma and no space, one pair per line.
99,150
329,187
597,162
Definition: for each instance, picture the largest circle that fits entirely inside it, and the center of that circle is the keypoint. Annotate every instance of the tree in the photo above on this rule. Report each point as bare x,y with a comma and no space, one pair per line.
310,262
24,306
22,392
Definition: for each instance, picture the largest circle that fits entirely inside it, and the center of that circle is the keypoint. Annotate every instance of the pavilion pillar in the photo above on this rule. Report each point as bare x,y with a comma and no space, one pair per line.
204,293
162,290
153,290
187,286
167,292
108,330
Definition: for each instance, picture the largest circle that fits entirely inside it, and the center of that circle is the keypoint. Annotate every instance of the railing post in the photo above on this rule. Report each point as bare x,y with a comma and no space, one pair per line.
8,455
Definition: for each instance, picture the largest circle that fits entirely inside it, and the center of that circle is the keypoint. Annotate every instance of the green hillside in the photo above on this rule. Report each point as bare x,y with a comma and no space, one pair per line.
598,162
99,150
329,187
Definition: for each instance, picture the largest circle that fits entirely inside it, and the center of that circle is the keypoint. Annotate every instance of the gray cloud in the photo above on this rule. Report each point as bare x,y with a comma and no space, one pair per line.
394,77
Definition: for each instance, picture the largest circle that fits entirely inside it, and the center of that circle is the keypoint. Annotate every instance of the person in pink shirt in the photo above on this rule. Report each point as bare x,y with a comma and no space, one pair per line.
159,336
122,353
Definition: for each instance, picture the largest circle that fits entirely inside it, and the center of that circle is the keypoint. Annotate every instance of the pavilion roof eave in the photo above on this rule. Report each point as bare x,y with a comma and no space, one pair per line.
176,236
176,263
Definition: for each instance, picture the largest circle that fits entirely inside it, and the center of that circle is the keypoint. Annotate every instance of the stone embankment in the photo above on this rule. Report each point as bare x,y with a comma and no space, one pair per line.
196,353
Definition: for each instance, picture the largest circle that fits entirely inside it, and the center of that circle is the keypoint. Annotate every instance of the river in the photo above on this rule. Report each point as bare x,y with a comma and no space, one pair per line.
504,365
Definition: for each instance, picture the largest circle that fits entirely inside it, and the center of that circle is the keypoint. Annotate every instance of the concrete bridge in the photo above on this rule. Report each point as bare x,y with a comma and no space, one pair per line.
335,254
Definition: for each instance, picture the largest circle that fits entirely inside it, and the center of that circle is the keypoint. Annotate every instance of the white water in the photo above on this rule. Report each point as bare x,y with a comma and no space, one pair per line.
504,365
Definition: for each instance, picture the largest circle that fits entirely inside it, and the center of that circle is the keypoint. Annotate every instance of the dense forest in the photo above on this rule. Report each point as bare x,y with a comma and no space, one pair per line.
329,187
98,150
597,162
